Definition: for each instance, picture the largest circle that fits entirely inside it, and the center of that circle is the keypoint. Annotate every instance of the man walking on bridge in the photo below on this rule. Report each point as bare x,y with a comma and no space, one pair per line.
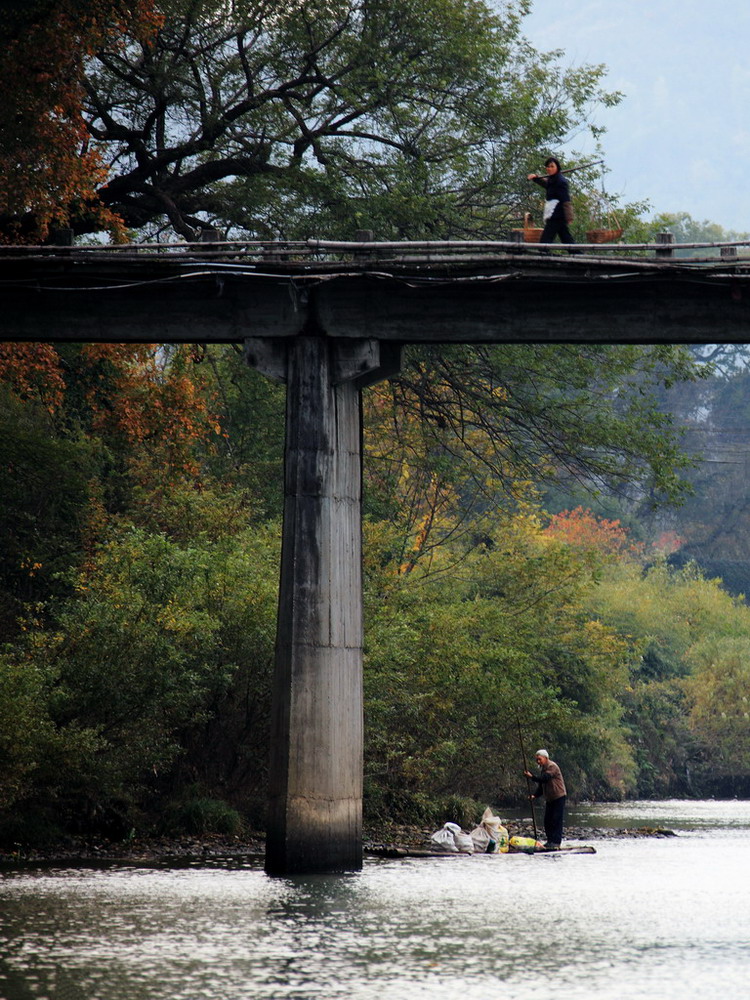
558,209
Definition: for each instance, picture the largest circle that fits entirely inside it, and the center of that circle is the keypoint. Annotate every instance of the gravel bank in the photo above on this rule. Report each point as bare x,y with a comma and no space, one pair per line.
183,849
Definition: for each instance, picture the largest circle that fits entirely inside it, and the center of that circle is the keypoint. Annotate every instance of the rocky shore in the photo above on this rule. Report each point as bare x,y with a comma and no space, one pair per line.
152,850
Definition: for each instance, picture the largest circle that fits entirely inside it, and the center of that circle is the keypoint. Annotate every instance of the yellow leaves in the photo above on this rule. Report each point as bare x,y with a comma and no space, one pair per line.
499,393
437,504
30,567
717,698
430,460
601,638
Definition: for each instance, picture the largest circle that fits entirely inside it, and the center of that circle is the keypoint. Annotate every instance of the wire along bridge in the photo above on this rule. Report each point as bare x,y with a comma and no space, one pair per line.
328,319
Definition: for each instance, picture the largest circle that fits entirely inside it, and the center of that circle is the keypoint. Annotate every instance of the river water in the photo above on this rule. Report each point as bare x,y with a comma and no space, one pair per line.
642,918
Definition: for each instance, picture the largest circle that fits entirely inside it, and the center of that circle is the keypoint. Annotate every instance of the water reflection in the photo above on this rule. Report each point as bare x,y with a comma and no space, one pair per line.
676,814
640,919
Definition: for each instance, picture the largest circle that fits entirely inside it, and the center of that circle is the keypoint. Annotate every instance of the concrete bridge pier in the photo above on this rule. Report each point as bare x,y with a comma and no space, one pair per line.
315,781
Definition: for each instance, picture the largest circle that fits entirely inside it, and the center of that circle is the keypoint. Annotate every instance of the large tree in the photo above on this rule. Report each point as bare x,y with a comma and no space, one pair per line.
317,116
418,118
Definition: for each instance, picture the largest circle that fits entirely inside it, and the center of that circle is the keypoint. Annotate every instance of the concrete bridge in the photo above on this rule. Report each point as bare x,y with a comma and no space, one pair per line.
328,319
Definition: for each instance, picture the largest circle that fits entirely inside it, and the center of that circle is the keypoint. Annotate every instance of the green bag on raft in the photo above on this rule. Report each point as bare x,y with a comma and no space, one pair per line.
526,844
502,840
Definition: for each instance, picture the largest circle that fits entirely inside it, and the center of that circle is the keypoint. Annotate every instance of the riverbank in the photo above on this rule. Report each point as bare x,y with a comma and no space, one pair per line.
376,840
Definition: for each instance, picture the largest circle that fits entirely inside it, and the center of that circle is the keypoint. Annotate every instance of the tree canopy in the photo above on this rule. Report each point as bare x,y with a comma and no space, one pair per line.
416,118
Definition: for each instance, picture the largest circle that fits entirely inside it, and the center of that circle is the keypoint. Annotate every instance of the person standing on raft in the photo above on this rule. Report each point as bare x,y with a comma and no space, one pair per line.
551,784
558,209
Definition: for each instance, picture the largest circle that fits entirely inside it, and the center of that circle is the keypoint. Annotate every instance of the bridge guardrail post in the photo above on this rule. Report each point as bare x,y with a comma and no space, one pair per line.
667,240
210,235
363,236
63,238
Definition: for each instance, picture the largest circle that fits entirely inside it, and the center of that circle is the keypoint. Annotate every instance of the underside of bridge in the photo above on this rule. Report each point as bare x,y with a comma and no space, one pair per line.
428,294
327,325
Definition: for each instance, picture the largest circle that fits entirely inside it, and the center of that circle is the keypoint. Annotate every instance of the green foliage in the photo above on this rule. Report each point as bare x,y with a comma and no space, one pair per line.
674,610
712,526
34,750
685,634
719,717
455,809
139,511
201,815
249,453
686,229
153,639
503,416
633,673
44,491
455,661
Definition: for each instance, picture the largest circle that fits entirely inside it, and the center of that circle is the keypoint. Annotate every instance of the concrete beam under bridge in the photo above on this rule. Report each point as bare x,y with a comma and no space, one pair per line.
315,794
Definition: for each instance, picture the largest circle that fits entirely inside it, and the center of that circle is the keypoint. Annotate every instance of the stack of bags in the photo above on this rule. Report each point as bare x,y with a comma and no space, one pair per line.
490,837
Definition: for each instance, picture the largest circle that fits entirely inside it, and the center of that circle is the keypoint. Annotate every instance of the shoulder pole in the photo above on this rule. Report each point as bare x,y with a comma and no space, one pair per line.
581,166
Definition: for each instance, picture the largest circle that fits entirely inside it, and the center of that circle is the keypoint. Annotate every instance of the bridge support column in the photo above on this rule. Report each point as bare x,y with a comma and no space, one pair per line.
315,781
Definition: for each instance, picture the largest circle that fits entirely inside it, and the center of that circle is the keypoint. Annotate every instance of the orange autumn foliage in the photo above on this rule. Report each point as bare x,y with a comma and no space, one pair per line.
583,530
33,371
668,543
139,400
48,171
127,391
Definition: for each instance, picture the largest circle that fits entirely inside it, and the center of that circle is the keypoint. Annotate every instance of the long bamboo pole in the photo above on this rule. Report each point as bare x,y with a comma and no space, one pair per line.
581,166
528,780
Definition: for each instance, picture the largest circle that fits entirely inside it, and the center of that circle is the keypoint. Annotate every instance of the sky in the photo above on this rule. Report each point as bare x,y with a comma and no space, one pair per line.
680,138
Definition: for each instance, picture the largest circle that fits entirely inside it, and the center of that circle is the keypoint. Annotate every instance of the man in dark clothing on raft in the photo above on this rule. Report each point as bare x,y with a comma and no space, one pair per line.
550,783
558,210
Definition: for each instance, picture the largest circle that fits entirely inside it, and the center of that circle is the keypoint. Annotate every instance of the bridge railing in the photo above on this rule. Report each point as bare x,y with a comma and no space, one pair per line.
280,251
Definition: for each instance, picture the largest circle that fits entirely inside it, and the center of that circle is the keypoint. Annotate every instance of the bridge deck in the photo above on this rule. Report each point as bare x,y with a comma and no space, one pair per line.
406,292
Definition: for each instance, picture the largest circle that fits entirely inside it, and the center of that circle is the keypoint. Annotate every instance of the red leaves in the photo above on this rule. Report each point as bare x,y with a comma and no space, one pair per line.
583,530
48,172
33,371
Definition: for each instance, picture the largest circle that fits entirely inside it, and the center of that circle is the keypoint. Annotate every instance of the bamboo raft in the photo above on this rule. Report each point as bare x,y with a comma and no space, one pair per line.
418,852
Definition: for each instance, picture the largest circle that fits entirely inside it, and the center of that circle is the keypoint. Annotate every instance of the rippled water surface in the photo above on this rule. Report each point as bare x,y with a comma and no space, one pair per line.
642,918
